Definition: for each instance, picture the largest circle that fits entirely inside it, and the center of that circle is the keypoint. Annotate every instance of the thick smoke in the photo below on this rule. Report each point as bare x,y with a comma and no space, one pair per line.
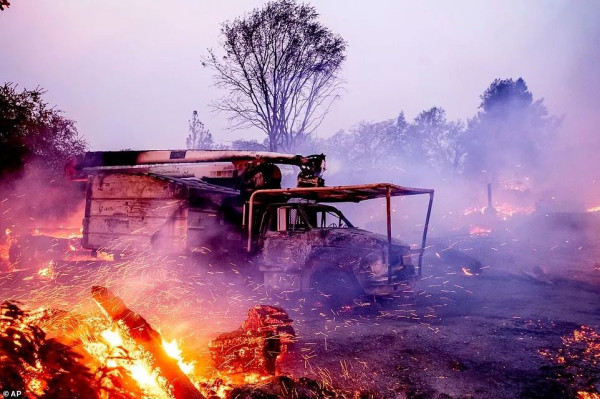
539,166
39,199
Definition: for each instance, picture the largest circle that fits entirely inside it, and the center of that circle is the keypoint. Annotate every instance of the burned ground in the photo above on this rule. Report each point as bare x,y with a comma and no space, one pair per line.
456,333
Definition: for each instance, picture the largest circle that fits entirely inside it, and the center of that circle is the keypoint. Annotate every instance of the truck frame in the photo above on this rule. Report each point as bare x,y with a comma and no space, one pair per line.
230,203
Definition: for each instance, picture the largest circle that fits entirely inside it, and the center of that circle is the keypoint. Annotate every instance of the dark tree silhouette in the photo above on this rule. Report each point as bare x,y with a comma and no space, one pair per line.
504,95
509,132
31,130
281,70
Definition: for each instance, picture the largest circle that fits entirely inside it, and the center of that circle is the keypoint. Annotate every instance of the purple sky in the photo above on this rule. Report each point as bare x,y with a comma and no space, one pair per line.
129,72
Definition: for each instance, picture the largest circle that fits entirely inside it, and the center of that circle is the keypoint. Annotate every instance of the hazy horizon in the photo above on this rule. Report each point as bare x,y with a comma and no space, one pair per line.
130,73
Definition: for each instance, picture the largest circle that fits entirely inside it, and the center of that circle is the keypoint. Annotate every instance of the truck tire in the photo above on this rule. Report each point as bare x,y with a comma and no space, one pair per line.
335,288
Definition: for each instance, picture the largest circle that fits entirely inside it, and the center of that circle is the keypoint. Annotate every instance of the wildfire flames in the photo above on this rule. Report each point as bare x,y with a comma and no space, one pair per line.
109,351
504,210
121,355
114,352
107,354
479,230
44,246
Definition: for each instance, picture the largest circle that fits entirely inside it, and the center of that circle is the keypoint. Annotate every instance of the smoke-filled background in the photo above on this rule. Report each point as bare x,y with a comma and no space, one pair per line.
130,75
446,95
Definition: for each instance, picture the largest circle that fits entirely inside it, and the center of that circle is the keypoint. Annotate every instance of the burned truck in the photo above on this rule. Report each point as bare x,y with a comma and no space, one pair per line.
230,204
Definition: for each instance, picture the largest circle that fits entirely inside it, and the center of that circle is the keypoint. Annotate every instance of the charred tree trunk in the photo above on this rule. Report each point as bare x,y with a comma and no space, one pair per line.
149,339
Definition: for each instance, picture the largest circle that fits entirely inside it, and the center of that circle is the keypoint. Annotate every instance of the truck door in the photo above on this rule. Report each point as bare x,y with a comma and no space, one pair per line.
286,239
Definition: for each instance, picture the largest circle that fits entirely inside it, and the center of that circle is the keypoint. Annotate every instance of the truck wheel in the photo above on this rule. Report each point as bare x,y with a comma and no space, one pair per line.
335,288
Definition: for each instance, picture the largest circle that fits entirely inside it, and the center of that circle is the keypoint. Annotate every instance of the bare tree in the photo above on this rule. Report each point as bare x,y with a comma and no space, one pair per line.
281,70
199,138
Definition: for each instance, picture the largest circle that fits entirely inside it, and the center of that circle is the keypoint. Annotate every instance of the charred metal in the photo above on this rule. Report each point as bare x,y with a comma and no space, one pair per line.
231,204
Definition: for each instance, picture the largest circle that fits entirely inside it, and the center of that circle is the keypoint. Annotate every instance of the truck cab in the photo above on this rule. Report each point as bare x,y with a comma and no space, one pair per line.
304,243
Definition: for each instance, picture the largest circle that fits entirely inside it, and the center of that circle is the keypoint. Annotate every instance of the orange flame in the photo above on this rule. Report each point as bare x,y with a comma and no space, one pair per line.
479,230
587,395
173,350
47,272
109,353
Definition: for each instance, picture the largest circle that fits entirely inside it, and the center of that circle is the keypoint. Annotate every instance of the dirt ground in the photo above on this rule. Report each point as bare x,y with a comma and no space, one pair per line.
452,335
465,336
468,337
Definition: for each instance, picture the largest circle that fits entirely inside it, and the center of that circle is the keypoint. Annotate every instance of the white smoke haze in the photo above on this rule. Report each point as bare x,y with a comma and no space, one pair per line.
402,55
39,198
542,194
130,75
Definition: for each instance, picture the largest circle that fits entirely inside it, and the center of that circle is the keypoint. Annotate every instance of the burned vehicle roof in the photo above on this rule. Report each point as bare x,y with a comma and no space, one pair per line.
353,193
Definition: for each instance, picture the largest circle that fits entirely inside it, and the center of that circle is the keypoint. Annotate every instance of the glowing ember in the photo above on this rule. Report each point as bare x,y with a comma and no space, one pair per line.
254,378
594,209
470,211
579,361
588,395
148,380
5,243
257,345
112,337
122,357
145,346
467,272
57,233
47,272
510,210
479,230
504,209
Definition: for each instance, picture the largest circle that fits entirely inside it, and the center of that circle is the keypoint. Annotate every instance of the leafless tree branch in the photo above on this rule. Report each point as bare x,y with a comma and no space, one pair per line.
281,70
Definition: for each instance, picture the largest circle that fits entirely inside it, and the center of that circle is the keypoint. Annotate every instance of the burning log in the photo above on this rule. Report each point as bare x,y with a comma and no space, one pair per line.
147,338
257,344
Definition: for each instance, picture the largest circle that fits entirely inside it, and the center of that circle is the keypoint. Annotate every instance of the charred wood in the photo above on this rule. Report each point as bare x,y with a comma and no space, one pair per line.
149,339
256,346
